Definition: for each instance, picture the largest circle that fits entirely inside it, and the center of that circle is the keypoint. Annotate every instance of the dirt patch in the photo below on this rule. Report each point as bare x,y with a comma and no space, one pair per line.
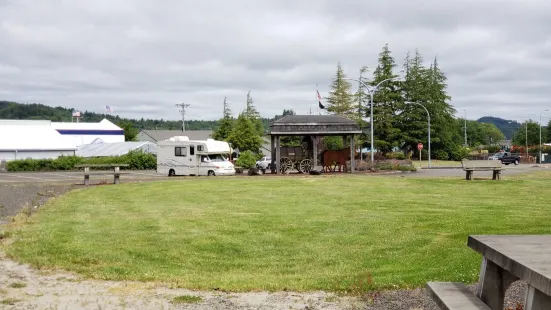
17,196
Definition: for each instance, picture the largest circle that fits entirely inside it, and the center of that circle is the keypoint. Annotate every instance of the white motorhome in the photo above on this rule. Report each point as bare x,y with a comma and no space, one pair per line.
181,156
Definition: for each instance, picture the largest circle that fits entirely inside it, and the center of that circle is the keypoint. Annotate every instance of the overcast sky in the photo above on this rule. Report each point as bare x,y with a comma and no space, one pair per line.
142,57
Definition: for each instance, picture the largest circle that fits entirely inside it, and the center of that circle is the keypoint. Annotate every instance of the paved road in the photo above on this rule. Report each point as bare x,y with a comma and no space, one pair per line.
76,177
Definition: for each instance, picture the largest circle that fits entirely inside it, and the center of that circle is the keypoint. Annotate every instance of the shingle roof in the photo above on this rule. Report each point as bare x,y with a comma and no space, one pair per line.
314,119
160,135
322,125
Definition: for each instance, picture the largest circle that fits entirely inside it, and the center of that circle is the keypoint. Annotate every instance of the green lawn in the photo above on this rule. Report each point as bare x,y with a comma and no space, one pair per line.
275,233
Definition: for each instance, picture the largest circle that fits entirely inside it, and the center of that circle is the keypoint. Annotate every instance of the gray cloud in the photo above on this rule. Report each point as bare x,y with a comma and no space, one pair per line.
142,56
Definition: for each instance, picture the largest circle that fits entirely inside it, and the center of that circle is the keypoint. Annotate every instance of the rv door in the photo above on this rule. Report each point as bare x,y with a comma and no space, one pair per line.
194,162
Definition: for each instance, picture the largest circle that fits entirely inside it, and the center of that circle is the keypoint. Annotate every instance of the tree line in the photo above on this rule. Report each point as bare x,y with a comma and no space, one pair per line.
399,124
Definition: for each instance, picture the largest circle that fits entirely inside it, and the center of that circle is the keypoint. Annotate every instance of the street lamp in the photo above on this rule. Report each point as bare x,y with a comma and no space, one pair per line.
540,133
428,118
466,144
371,92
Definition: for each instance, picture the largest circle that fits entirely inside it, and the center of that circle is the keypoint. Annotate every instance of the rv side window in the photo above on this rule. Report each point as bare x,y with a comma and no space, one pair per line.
191,150
200,148
180,151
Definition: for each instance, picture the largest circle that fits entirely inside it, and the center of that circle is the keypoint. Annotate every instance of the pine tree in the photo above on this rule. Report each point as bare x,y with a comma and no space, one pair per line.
361,96
447,135
387,101
225,124
412,121
253,115
340,100
244,135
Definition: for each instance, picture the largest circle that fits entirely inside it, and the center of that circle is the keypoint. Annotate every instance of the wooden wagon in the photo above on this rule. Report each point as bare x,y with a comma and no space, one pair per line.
299,158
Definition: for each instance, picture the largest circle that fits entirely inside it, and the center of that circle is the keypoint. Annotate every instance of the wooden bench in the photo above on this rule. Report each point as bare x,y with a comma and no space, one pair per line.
482,165
116,171
454,296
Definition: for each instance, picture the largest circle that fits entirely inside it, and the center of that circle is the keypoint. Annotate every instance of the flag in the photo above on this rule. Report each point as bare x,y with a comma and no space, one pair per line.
108,109
321,106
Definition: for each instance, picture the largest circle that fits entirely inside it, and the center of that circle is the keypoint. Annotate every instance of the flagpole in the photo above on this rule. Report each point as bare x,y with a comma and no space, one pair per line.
317,99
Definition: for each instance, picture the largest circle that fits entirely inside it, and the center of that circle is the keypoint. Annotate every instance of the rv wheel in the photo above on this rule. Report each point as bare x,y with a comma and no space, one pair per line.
171,173
211,173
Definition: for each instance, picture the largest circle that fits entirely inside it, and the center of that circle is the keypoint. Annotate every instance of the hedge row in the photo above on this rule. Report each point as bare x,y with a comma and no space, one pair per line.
137,160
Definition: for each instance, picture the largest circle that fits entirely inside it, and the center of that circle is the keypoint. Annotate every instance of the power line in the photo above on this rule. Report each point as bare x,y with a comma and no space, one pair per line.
182,110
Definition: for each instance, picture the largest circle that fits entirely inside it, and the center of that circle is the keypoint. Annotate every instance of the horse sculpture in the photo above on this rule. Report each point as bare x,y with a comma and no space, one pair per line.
333,159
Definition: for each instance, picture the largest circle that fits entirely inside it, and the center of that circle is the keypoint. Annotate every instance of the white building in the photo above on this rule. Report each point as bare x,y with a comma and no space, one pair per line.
20,139
31,141
86,133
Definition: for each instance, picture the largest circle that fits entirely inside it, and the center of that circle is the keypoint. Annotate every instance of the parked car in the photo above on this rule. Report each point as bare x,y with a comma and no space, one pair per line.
264,163
506,158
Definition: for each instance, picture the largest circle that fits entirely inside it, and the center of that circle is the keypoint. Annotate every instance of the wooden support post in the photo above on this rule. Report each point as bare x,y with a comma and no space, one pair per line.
86,175
278,154
272,154
315,151
352,153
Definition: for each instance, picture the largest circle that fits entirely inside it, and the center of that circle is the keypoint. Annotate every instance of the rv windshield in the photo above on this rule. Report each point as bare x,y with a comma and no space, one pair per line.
217,157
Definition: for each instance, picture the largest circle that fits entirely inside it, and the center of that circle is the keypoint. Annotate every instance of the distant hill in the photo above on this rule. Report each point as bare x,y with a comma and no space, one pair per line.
508,127
34,111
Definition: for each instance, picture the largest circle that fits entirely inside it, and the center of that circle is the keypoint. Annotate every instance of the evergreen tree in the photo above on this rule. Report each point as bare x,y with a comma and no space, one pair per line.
387,101
130,132
361,96
253,115
244,135
412,121
225,124
340,100
442,112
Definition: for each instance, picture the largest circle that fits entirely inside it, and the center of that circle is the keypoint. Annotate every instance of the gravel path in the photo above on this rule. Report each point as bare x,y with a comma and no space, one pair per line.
22,287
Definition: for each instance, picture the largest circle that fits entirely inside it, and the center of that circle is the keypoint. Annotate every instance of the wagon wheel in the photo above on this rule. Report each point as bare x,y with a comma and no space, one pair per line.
306,165
285,164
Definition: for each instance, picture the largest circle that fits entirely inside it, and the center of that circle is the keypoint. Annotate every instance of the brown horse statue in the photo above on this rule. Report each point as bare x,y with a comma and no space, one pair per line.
333,159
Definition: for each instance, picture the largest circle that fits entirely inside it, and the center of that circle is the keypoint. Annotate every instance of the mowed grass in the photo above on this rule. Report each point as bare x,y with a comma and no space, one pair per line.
342,233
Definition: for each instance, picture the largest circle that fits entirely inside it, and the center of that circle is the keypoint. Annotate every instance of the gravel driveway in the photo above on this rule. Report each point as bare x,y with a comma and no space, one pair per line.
22,287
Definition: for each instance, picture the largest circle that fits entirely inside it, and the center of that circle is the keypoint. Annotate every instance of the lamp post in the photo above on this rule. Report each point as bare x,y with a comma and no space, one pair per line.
540,134
526,128
371,92
428,119
466,144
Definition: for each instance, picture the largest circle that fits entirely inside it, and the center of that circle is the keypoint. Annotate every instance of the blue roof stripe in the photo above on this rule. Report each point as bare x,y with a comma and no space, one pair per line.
90,132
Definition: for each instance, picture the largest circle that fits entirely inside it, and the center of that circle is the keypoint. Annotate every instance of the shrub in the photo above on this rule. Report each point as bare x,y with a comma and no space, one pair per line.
441,155
459,153
387,164
333,143
137,160
396,155
246,159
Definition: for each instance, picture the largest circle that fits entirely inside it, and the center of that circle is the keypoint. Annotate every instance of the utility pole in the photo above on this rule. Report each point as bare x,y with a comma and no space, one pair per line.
182,110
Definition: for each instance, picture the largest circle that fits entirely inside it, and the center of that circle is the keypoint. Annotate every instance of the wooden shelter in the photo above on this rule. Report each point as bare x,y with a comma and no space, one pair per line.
311,126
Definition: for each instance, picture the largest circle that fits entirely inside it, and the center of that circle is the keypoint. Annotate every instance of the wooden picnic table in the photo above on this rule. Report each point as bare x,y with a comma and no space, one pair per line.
116,171
508,258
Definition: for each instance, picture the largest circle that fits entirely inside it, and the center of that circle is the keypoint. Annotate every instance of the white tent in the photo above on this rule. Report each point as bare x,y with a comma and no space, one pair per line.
115,149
